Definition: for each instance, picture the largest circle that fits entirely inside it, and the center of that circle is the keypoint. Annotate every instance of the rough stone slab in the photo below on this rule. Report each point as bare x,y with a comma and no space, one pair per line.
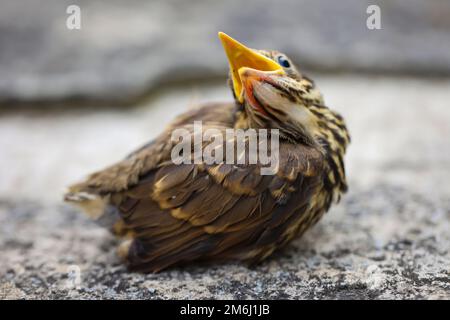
126,48
388,238
383,242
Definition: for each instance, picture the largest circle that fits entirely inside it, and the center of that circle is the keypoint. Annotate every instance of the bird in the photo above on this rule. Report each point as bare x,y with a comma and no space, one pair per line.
168,215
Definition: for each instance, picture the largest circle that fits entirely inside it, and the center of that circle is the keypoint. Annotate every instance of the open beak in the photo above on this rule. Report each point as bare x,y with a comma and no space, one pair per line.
241,58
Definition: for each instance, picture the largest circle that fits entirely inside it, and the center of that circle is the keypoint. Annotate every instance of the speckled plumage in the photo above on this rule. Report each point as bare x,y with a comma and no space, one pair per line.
174,214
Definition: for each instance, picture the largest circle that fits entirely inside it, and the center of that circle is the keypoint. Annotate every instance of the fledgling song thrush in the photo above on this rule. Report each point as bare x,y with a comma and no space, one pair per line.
171,214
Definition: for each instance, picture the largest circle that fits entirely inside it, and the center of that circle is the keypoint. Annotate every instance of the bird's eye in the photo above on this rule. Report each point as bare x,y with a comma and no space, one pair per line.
283,61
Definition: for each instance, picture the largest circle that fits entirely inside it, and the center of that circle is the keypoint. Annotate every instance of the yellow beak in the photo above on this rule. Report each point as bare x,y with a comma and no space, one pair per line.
239,56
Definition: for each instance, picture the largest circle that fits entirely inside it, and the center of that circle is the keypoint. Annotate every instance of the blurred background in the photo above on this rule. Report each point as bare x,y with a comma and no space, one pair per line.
74,101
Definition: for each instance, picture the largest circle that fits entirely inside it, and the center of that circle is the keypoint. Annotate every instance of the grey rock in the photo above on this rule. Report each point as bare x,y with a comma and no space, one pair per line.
126,48
414,267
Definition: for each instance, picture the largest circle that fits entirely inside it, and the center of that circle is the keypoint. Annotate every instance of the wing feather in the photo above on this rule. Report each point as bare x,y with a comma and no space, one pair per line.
179,213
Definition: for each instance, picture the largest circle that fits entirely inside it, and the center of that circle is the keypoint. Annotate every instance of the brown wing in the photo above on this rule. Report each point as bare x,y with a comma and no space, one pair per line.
180,213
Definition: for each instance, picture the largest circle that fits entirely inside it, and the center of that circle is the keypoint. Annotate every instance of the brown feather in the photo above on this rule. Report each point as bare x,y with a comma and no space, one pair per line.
180,213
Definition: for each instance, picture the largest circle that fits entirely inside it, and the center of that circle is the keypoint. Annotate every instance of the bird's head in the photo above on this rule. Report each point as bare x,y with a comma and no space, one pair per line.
273,93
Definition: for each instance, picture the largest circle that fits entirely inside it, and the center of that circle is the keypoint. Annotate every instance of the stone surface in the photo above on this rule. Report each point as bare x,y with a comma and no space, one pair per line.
388,238
126,48
381,242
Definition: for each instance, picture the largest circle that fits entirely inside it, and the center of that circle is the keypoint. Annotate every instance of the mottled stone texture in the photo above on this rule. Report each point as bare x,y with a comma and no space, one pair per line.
125,48
381,242
388,238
